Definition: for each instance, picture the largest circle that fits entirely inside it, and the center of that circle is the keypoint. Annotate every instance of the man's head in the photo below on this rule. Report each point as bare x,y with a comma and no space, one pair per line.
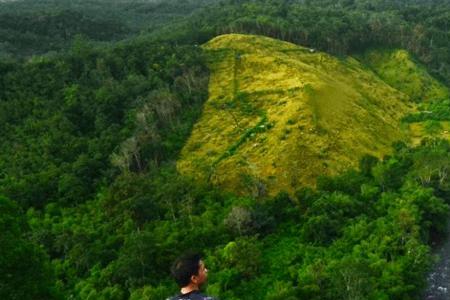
189,269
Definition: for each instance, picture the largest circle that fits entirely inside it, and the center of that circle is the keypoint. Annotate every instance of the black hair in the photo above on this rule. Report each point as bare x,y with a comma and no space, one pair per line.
184,267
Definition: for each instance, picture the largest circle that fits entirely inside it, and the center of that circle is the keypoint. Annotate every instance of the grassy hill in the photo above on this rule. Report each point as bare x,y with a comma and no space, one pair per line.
398,69
279,115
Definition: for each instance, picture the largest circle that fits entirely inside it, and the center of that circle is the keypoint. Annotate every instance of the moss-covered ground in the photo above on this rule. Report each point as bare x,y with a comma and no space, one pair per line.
279,115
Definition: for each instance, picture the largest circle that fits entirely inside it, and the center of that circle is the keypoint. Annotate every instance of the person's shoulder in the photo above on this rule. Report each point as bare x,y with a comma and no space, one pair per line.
177,297
193,296
203,297
200,296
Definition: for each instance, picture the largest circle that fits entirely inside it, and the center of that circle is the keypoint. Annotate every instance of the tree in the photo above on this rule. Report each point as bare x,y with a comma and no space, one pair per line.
25,271
239,220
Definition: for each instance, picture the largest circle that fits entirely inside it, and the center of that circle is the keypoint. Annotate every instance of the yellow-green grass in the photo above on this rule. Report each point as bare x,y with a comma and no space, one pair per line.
397,68
418,132
279,115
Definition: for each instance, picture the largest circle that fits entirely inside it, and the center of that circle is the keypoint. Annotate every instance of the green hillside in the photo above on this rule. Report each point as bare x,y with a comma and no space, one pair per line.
398,69
279,115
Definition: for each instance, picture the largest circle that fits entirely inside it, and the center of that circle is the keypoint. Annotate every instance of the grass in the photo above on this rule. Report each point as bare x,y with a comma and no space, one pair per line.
419,130
399,69
324,113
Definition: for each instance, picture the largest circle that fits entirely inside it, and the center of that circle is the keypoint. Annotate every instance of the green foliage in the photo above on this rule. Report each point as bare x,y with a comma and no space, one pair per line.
150,293
35,27
398,69
432,127
339,27
389,174
89,138
25,268
366,163
66,117
436,110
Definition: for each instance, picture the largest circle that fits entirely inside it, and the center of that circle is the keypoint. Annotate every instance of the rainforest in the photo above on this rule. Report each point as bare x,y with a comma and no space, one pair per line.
303,147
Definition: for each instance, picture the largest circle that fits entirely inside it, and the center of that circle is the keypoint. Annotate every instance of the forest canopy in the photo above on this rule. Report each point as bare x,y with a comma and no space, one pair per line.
97,100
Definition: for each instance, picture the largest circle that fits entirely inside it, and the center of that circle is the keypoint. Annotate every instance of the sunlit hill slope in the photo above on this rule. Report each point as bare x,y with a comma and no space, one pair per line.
279,115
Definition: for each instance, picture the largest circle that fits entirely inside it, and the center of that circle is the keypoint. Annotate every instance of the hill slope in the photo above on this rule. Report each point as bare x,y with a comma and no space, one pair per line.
398,69
279,115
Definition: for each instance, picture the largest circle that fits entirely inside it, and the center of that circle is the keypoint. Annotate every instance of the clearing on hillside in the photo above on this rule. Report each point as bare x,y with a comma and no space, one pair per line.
279,115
